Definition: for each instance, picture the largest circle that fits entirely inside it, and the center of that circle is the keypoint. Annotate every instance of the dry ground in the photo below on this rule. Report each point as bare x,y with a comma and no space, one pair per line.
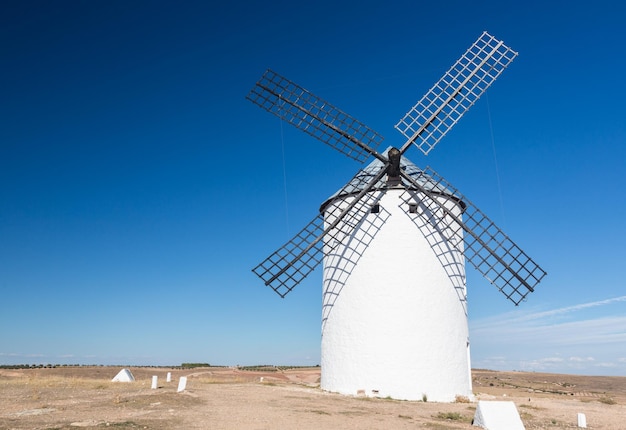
225,398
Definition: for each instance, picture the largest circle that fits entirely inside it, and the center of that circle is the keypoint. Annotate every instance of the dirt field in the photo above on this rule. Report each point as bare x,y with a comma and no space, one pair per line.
225,398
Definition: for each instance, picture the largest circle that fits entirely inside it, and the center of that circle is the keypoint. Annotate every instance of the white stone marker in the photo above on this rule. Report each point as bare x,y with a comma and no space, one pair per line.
155,379
182,384
582,421
169,377
494,415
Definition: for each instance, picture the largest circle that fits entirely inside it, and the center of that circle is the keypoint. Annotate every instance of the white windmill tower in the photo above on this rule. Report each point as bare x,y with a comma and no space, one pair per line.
393,242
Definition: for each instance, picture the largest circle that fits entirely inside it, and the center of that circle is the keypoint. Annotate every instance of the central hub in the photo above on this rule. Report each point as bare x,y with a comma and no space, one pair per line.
393,169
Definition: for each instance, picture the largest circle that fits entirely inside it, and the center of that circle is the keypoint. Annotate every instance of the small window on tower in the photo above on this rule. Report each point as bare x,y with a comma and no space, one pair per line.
375,209
413,208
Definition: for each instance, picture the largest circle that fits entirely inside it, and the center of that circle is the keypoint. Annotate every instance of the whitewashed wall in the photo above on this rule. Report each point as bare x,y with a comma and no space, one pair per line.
394,317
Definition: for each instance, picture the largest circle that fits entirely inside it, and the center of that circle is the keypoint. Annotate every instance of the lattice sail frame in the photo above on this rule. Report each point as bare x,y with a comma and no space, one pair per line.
446,102
316,117
486,246
290,264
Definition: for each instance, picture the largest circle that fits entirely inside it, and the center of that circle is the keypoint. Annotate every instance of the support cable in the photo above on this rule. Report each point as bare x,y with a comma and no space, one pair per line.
282,143
495,159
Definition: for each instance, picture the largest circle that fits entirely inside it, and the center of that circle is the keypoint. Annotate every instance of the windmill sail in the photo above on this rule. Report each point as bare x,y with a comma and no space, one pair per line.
294,261
446,102
486,247
314,116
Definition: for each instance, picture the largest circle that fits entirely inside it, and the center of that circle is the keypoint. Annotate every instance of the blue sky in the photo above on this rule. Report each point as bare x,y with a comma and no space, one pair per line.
138,186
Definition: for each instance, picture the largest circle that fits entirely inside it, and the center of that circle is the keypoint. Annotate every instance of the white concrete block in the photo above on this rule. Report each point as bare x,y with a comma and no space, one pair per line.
155,383
497,416
582,421
124,375
169,377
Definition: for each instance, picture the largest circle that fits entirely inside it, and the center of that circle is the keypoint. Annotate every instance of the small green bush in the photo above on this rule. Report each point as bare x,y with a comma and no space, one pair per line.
453,416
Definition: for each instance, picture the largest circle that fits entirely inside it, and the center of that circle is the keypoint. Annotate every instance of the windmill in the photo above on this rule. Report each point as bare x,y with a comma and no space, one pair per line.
393,242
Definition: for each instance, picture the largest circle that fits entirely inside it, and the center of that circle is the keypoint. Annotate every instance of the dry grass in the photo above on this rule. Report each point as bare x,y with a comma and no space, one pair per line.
525,406
454,416
607,401
227,398
58,382
216,380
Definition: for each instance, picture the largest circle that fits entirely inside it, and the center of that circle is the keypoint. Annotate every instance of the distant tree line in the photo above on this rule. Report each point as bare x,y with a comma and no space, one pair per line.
272,368
264,367
35,366
194,365
54,366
